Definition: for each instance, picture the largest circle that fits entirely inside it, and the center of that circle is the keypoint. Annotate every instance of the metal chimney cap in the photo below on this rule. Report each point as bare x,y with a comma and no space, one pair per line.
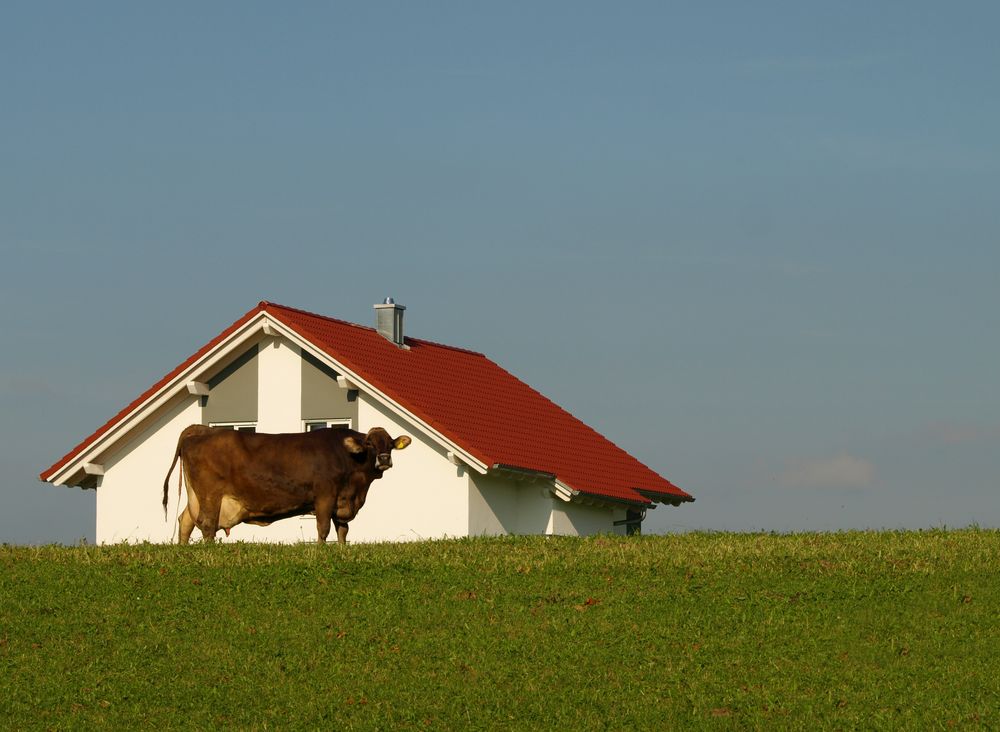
389,301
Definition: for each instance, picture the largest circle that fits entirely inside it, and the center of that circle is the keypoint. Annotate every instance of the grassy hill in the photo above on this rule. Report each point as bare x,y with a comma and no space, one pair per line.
717,631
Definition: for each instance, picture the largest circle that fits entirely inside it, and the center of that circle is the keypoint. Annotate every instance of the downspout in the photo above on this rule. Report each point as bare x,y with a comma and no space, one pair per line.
632,521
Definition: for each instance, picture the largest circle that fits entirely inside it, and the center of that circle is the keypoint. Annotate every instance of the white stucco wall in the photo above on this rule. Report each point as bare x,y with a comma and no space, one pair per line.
423,496
575,519
279,409
279,387
500,505
618,514
503,506
130,493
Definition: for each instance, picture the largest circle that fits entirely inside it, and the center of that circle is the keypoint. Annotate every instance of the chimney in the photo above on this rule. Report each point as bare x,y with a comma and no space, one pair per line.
389,321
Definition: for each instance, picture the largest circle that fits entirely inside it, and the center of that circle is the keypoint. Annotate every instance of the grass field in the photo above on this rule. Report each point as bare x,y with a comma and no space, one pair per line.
716,631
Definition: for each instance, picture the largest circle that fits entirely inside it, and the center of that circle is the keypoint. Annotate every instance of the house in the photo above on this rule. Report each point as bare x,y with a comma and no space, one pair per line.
490,455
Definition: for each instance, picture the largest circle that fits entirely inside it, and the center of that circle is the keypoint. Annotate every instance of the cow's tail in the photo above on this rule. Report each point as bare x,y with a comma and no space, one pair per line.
166,481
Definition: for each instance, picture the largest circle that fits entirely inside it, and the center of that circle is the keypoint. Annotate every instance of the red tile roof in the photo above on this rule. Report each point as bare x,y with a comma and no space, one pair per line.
469,399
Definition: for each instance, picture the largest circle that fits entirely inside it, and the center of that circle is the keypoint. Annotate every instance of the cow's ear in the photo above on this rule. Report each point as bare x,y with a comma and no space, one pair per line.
401,442
352,444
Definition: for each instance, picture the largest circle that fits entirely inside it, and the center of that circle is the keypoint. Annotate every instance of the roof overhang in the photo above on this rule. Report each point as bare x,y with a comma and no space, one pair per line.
593,499
568,493
523,474
658,497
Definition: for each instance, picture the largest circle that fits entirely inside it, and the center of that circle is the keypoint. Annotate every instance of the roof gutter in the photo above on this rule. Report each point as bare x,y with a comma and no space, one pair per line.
671,498
517,471
614,501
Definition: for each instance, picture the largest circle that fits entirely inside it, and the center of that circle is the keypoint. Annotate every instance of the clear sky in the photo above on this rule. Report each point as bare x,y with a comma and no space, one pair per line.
755,244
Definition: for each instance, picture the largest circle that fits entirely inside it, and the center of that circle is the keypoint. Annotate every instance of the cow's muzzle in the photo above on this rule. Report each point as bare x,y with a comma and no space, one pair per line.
383,461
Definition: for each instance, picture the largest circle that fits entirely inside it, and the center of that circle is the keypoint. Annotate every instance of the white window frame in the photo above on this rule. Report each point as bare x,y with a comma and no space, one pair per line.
238,426
339,422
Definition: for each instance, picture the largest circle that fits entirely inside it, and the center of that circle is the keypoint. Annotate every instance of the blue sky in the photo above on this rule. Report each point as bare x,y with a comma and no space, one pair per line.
757,245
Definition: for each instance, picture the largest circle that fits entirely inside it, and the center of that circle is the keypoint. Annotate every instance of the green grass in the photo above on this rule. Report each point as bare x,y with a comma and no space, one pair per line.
719,631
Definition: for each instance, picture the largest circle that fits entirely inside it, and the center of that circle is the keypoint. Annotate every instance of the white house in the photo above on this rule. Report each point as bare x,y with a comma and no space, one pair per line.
490,455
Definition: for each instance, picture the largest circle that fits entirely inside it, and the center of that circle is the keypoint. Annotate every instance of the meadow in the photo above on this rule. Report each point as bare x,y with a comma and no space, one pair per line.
873,630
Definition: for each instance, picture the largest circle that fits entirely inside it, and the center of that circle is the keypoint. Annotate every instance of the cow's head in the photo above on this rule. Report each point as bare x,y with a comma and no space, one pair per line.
378,445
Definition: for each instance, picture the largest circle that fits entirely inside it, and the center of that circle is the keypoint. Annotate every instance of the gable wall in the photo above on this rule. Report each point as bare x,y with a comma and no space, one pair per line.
423,496
130,493
279,398
279,393
263,387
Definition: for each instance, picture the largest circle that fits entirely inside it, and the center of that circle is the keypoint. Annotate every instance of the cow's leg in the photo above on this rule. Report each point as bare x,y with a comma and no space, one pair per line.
341,531
192,512
322,528
324,514
187,526
208,519
208,527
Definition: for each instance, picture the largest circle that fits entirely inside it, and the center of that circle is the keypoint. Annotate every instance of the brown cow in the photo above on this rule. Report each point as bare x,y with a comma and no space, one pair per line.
235,477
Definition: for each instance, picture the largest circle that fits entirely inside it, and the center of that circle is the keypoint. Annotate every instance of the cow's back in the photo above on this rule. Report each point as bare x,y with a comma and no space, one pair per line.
267,473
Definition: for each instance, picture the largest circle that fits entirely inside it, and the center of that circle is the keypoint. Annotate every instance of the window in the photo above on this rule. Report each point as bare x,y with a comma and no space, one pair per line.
238,426
311,425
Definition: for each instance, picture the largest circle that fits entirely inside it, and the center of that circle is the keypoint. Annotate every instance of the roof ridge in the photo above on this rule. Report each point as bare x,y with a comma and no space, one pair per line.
264,304
436,344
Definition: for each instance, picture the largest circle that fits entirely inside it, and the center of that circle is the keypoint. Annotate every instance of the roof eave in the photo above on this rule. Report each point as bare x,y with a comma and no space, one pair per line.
522,473
673,499
586,497
567,493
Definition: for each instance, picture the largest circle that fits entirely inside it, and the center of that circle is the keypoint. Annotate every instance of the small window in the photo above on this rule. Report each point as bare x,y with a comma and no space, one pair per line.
238,426
321,424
